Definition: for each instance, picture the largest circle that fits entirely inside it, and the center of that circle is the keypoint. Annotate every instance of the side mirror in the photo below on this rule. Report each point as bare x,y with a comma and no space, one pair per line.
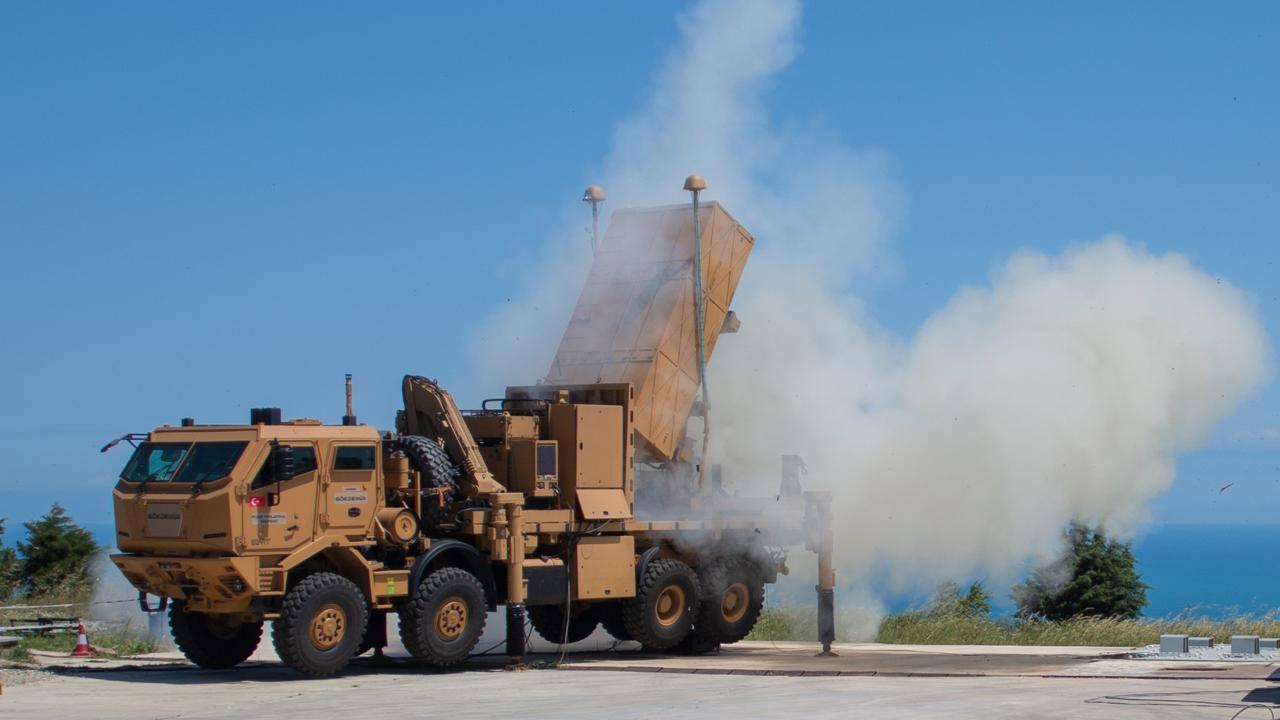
282,469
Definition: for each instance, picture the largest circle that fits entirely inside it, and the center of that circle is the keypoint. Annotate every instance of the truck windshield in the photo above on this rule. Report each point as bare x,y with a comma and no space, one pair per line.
182,462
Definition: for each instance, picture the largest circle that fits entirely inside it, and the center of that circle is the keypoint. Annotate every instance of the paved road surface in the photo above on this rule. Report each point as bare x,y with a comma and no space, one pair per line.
911,683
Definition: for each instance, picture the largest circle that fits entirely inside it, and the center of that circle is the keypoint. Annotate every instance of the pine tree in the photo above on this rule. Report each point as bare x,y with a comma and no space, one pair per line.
56,554
1097,577
9,569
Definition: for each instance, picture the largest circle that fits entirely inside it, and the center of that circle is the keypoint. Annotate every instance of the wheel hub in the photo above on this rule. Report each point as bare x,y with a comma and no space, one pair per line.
451,618
734,601
670,605
328,627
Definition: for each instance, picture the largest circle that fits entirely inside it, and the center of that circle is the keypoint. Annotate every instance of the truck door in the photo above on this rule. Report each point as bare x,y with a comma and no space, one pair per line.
291,521
349,494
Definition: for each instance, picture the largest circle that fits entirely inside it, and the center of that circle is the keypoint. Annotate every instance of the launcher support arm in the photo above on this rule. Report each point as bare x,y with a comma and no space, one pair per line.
429,410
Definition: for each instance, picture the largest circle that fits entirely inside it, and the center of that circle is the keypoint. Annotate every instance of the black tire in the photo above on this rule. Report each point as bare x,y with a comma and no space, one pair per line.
439,478
444,618
610,615
732,598
209,642
548,621
322,623
665,606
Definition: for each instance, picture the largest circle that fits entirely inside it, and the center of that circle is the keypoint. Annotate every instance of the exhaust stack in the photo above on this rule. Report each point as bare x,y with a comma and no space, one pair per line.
350,417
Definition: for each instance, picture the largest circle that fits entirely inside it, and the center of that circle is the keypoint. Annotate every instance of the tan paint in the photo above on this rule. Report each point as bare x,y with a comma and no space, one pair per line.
232,549
604,567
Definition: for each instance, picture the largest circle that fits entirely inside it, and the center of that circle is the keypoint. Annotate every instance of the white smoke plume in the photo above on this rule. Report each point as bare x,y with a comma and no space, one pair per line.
1063,389
115,602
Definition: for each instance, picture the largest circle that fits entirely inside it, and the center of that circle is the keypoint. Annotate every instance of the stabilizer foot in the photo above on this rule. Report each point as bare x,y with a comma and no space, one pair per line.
516,615
826,620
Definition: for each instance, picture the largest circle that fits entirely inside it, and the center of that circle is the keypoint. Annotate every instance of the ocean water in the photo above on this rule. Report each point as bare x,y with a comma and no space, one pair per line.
1210,570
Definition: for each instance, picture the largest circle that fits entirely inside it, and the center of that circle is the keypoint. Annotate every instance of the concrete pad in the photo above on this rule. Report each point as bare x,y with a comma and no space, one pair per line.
266,691
1040,650
800,659
61,661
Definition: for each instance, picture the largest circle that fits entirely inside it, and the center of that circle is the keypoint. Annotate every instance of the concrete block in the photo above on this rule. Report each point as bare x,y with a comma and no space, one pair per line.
1244,644
1173,644
1200,642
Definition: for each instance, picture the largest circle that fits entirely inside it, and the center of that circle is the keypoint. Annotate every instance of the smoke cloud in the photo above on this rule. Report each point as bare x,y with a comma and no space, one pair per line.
1061,389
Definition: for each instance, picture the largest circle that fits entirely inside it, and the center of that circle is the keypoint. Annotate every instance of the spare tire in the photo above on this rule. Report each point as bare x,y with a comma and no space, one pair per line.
439,477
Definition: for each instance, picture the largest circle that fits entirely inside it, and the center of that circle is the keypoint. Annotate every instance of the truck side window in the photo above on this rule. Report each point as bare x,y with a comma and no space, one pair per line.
304,461
353,457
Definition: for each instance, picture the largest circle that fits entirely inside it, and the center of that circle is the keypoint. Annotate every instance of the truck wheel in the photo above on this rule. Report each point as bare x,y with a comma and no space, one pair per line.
212,641
610,614
666,603
548,620
443,619
732,597
439,477
322,622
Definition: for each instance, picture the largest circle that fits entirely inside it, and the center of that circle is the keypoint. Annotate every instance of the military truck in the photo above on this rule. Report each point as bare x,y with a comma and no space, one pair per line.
529,502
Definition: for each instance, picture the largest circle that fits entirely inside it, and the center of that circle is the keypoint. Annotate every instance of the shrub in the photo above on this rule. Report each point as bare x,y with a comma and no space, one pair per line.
56,555
10,569
1098,577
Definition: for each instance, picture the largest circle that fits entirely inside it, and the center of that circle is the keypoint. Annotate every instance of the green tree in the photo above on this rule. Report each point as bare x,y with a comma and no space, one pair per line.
1097,577
9,569
56,554
948,600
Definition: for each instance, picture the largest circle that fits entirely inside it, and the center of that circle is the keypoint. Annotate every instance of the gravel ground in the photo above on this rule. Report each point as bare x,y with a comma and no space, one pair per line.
12,676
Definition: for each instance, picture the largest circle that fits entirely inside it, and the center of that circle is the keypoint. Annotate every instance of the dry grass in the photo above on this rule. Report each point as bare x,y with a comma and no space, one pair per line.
921,628
786,624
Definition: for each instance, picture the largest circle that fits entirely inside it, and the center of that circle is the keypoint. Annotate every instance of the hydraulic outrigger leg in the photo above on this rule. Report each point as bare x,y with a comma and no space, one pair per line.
516,613
822,542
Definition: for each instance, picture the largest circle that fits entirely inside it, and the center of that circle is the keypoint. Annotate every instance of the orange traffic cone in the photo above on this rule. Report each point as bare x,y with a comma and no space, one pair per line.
82,643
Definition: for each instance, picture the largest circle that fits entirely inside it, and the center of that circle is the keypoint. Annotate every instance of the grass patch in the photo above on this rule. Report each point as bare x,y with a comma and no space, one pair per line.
785,624
124,642
925,628
15,656
792,623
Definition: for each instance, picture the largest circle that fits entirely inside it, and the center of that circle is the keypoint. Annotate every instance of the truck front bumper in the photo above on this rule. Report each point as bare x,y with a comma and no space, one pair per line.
218,584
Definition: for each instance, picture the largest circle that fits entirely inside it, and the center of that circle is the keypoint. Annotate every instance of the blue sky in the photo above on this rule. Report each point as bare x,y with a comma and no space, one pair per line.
204,209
